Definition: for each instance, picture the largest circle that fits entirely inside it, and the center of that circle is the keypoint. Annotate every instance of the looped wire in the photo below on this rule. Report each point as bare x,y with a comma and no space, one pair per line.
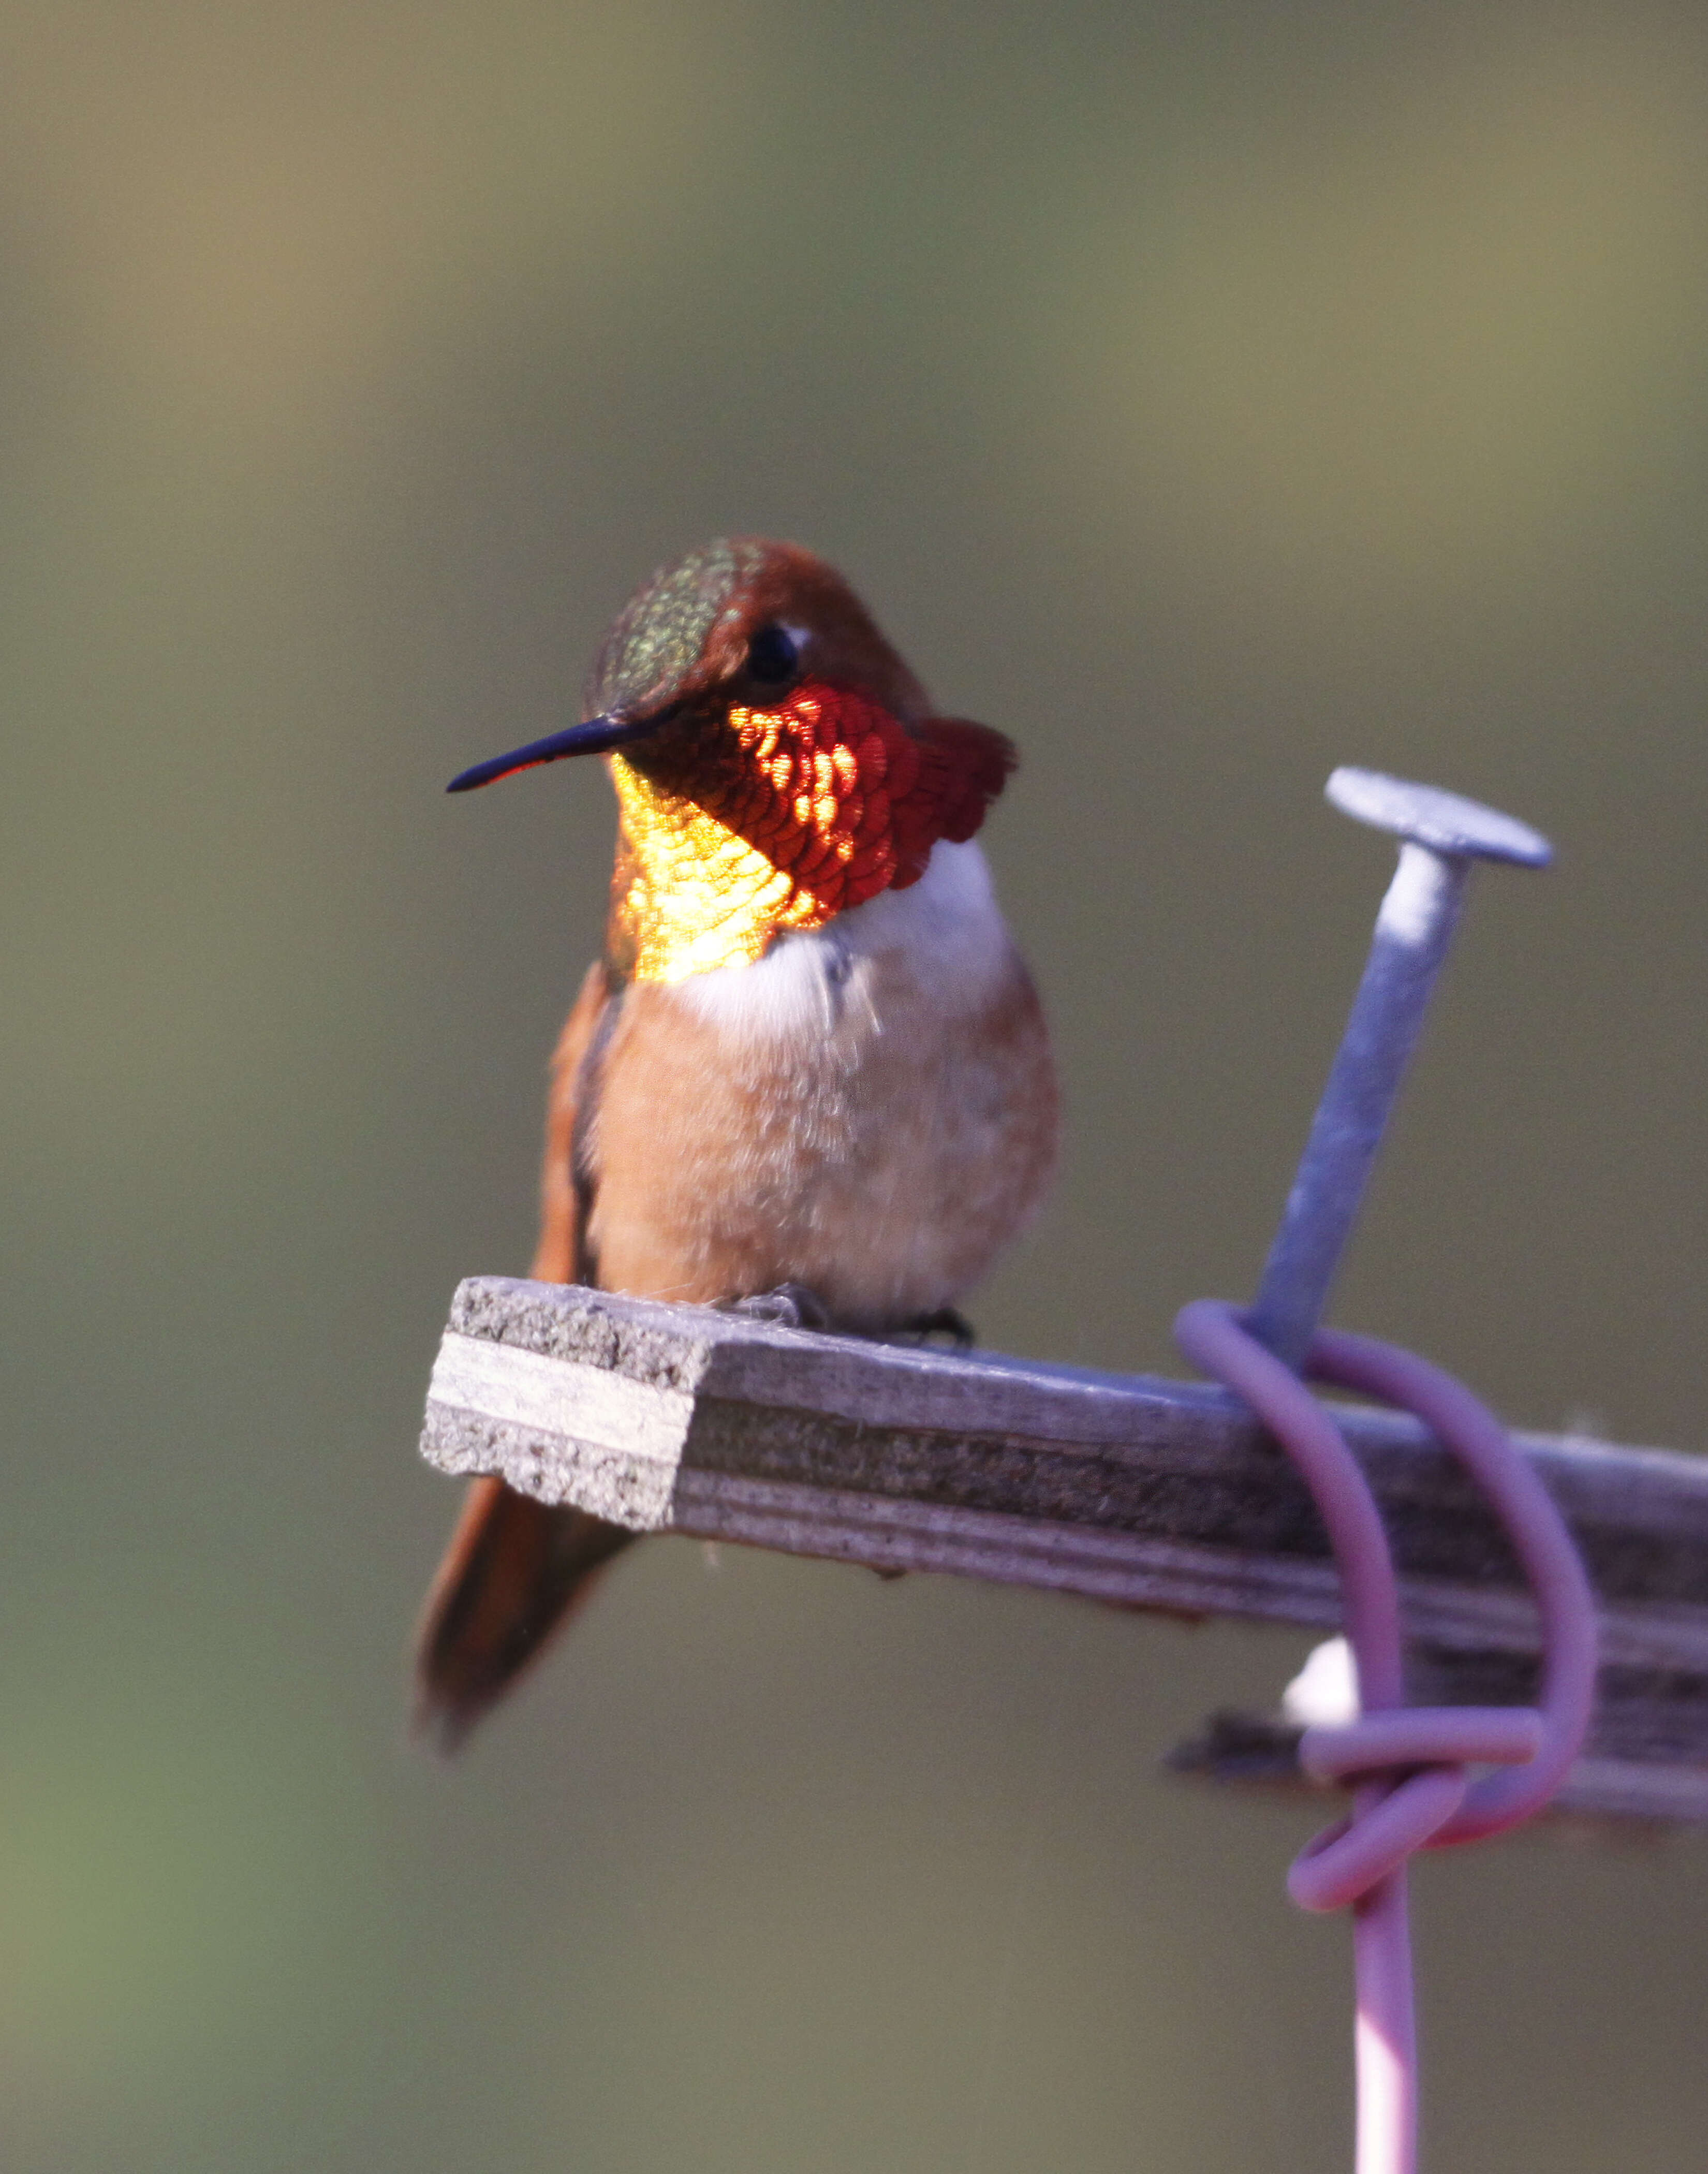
1409,1765
1348,1859
1535,1746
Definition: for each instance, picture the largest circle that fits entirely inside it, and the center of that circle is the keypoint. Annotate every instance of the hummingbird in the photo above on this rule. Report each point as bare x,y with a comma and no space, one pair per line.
809,1073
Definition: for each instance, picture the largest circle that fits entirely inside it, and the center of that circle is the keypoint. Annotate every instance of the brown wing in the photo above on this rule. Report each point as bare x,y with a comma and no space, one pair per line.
517,1569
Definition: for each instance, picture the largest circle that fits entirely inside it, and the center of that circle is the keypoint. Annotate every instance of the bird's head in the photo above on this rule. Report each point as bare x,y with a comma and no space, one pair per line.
775,761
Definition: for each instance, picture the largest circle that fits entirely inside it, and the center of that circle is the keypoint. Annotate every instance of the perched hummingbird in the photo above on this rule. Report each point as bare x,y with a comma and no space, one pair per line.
811,1061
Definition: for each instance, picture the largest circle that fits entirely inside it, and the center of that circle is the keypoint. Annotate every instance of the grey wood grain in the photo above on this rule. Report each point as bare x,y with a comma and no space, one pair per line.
1132,1489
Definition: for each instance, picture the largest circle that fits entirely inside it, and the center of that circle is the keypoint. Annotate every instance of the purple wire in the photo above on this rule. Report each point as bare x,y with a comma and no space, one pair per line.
1408,1764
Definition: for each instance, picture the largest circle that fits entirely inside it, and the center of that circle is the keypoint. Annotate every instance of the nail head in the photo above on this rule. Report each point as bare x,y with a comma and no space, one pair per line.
1445,821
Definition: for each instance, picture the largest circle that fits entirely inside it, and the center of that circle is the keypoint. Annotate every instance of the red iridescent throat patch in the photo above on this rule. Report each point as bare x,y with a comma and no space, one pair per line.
835,790
820,803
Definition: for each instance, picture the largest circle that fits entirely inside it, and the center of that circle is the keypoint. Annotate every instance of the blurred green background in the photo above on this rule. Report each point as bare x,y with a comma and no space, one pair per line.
1205,394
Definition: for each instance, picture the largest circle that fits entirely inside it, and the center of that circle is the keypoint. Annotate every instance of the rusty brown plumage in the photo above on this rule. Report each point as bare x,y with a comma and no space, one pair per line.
516,1570
811,1054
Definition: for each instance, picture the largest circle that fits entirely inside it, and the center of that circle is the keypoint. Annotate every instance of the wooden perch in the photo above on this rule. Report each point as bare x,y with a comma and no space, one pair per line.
1151,1493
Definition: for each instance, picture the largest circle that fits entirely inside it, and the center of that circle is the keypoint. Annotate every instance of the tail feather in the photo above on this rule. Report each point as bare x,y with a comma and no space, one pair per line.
515,1572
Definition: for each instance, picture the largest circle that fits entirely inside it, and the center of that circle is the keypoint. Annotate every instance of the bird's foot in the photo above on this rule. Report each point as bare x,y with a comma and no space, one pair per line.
958,1330
797,1306
790,1305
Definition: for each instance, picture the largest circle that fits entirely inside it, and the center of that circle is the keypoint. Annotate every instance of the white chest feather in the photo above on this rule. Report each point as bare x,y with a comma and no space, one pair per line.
942,943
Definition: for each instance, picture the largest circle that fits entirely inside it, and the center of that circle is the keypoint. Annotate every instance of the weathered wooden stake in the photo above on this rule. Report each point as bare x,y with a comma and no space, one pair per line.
1131,1489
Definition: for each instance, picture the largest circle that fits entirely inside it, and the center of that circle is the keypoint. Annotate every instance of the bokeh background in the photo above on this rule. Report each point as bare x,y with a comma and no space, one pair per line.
1204,393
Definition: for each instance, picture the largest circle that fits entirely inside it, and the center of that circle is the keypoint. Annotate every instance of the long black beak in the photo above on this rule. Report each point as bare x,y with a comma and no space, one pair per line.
594,737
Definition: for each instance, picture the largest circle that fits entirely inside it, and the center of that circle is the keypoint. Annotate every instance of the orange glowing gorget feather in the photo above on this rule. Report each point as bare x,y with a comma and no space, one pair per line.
791,816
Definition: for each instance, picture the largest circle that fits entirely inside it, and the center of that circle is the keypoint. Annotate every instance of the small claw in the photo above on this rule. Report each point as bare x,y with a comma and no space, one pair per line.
790,1305
945,1322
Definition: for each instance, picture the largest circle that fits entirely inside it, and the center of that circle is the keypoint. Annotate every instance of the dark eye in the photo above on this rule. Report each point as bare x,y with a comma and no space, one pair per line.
772,657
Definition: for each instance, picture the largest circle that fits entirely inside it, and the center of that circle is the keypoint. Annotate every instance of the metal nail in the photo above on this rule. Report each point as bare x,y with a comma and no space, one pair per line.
1442,836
